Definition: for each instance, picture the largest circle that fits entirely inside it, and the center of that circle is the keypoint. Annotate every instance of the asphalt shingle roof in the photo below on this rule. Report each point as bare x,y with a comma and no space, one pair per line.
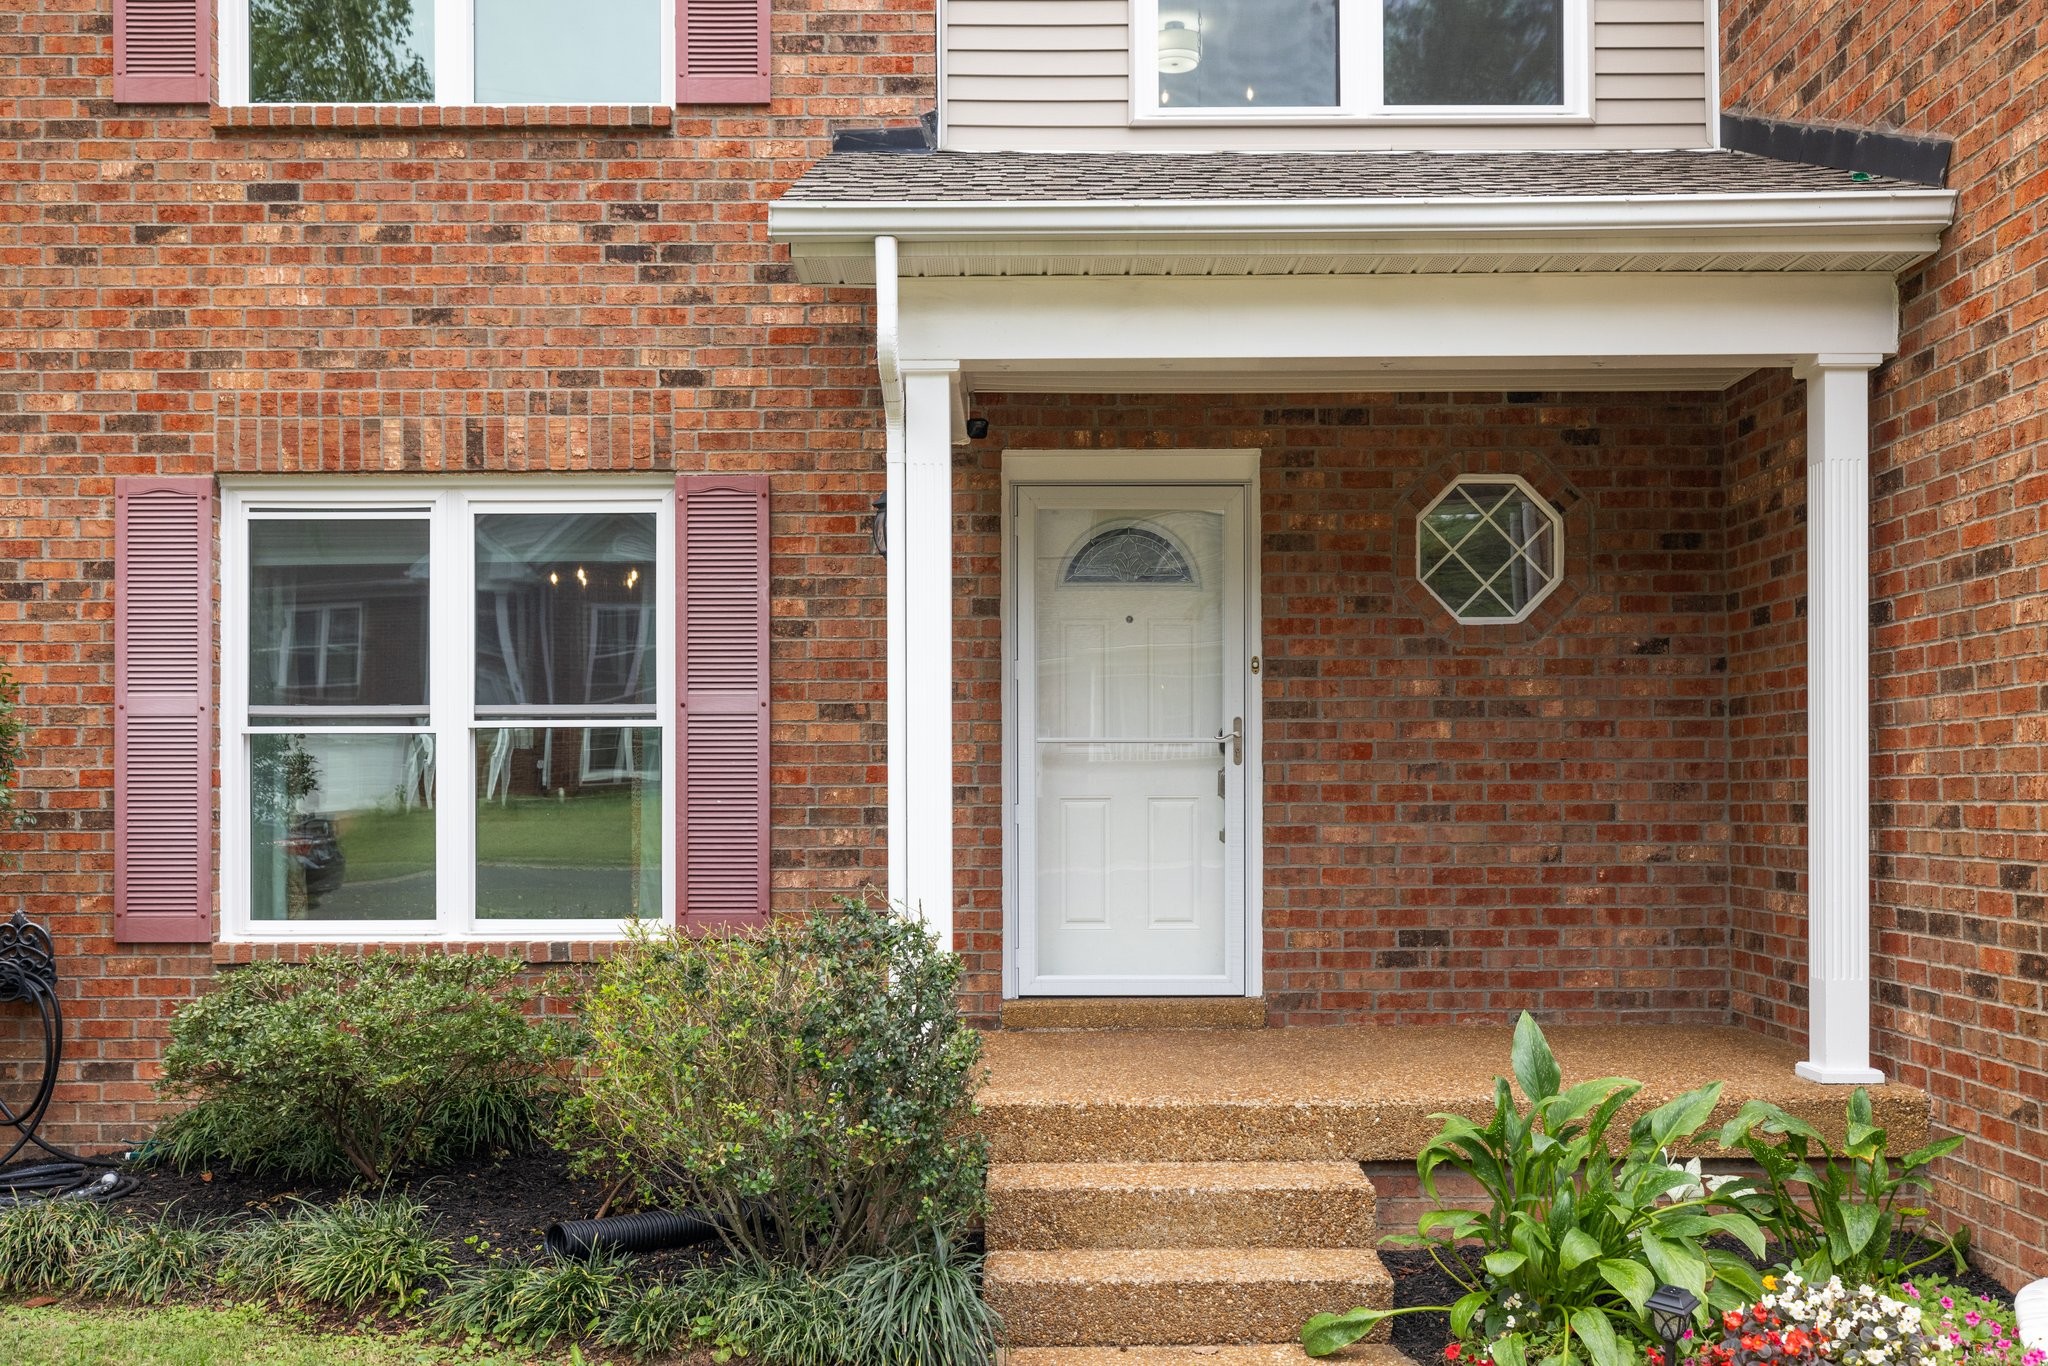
1063,177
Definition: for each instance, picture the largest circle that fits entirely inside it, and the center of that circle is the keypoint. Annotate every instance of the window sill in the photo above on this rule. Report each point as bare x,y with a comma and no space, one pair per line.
384,117
540,952
1402,119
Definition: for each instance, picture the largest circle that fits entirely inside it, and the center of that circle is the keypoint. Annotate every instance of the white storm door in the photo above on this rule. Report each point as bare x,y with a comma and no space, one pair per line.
1130,631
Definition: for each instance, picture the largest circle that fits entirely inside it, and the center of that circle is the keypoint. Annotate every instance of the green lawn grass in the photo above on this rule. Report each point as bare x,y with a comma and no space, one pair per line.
187,1336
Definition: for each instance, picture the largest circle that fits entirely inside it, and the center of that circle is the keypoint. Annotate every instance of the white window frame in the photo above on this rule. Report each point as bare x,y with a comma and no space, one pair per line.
324,613
451,509
1556,566
1361,78
454,59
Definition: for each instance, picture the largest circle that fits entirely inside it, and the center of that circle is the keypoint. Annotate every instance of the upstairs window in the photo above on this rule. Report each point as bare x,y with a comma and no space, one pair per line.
1329,60
451,52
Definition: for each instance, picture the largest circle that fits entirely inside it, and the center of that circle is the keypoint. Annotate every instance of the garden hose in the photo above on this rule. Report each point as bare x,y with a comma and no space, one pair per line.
28,972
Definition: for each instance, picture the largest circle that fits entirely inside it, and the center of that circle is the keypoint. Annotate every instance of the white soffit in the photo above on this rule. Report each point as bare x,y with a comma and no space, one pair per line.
1872,231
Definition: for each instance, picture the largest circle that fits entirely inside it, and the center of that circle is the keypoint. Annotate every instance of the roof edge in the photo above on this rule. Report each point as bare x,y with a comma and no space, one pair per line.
1712,215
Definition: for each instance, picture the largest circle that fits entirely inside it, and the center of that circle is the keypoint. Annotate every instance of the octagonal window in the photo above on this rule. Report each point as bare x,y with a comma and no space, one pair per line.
1489,548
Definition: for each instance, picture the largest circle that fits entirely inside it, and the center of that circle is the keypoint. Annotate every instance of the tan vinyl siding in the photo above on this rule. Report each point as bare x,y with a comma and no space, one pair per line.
1045,75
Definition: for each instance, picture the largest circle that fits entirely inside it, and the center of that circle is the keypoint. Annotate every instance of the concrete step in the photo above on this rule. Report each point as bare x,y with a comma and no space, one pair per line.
1164,1296
1135,1012
1273,1354
1050,1205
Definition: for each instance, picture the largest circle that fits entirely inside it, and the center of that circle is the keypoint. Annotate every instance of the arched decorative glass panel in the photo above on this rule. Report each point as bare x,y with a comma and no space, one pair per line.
1129,554
1489,548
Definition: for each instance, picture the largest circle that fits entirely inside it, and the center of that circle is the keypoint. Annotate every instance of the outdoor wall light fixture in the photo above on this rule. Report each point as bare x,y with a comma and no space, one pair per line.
1671,1309
1180,46
880,526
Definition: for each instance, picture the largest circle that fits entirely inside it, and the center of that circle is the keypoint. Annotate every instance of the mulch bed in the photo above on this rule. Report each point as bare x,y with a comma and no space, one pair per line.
1419,1280
499,1206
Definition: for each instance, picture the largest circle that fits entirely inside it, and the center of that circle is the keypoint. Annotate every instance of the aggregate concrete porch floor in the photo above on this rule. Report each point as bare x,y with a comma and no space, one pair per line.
1363,1093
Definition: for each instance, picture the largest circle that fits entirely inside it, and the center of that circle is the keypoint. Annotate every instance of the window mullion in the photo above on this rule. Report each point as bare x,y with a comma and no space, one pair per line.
452,710
454,51
1361,30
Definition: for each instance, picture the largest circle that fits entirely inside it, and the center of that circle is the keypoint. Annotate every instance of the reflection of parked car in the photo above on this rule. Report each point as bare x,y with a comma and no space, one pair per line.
316,853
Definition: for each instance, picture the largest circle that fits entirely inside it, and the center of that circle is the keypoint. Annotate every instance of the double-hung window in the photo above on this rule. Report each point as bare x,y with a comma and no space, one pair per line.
1321,60
449,52
447,714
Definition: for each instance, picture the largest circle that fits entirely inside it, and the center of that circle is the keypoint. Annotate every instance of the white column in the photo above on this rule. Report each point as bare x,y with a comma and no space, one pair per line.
921,649
1838,719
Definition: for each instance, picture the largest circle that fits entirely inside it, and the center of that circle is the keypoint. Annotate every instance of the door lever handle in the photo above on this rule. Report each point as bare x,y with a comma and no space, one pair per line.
1234,737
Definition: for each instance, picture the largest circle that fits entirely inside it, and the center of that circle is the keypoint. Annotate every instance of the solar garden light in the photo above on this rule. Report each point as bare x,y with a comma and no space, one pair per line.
1671,1309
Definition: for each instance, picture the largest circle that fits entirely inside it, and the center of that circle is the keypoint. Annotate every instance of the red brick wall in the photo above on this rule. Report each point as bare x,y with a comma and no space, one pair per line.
1459,822
1959,483
1766,488
180,298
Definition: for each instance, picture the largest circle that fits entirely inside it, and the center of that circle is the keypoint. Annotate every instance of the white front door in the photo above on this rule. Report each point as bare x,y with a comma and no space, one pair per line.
1130,633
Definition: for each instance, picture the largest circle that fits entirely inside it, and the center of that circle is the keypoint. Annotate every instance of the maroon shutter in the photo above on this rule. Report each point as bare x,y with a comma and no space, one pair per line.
163,711
162,51
722,681
721,51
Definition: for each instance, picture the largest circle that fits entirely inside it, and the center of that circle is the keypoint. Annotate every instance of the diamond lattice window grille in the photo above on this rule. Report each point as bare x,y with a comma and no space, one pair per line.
1489,548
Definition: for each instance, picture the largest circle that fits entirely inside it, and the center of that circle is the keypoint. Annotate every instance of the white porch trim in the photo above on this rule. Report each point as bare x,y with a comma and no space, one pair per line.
1838,719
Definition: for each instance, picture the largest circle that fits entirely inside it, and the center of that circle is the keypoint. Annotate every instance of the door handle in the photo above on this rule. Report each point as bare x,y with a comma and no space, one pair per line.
1234,738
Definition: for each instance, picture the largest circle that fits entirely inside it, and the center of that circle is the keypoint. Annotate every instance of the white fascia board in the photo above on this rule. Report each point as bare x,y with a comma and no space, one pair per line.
1714,215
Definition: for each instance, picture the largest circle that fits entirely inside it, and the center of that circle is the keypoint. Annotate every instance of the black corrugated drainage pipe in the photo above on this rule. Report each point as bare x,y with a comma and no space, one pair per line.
650,1231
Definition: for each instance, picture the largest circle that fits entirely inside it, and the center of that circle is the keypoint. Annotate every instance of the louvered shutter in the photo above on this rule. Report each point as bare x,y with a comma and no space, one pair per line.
163,711
722,683
721,51
162,51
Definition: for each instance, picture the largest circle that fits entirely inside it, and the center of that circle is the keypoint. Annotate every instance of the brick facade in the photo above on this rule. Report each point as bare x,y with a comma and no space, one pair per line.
1959,593
549,290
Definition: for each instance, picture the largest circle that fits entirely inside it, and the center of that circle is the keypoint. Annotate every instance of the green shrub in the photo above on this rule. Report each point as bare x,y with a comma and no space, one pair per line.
1574,1240
44,1244
151,1261
1836,1214
358,1064
347,1255
533,1303
809,1082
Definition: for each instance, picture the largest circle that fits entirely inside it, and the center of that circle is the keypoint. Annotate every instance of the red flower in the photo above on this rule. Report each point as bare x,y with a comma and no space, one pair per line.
1453,1352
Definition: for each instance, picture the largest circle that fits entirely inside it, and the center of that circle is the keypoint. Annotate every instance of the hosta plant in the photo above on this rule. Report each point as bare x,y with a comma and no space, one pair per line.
1837,1213
1575,1237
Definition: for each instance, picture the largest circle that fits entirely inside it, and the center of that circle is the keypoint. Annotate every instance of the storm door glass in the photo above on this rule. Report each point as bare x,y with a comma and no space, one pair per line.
1130,779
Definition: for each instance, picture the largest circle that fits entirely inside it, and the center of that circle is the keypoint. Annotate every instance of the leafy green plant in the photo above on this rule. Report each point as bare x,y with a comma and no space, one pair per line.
808,1082
1968,1329
45,1243
533,1303
12,816
348,1255
359,1064
1575,1238
151,1260
1837,1213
